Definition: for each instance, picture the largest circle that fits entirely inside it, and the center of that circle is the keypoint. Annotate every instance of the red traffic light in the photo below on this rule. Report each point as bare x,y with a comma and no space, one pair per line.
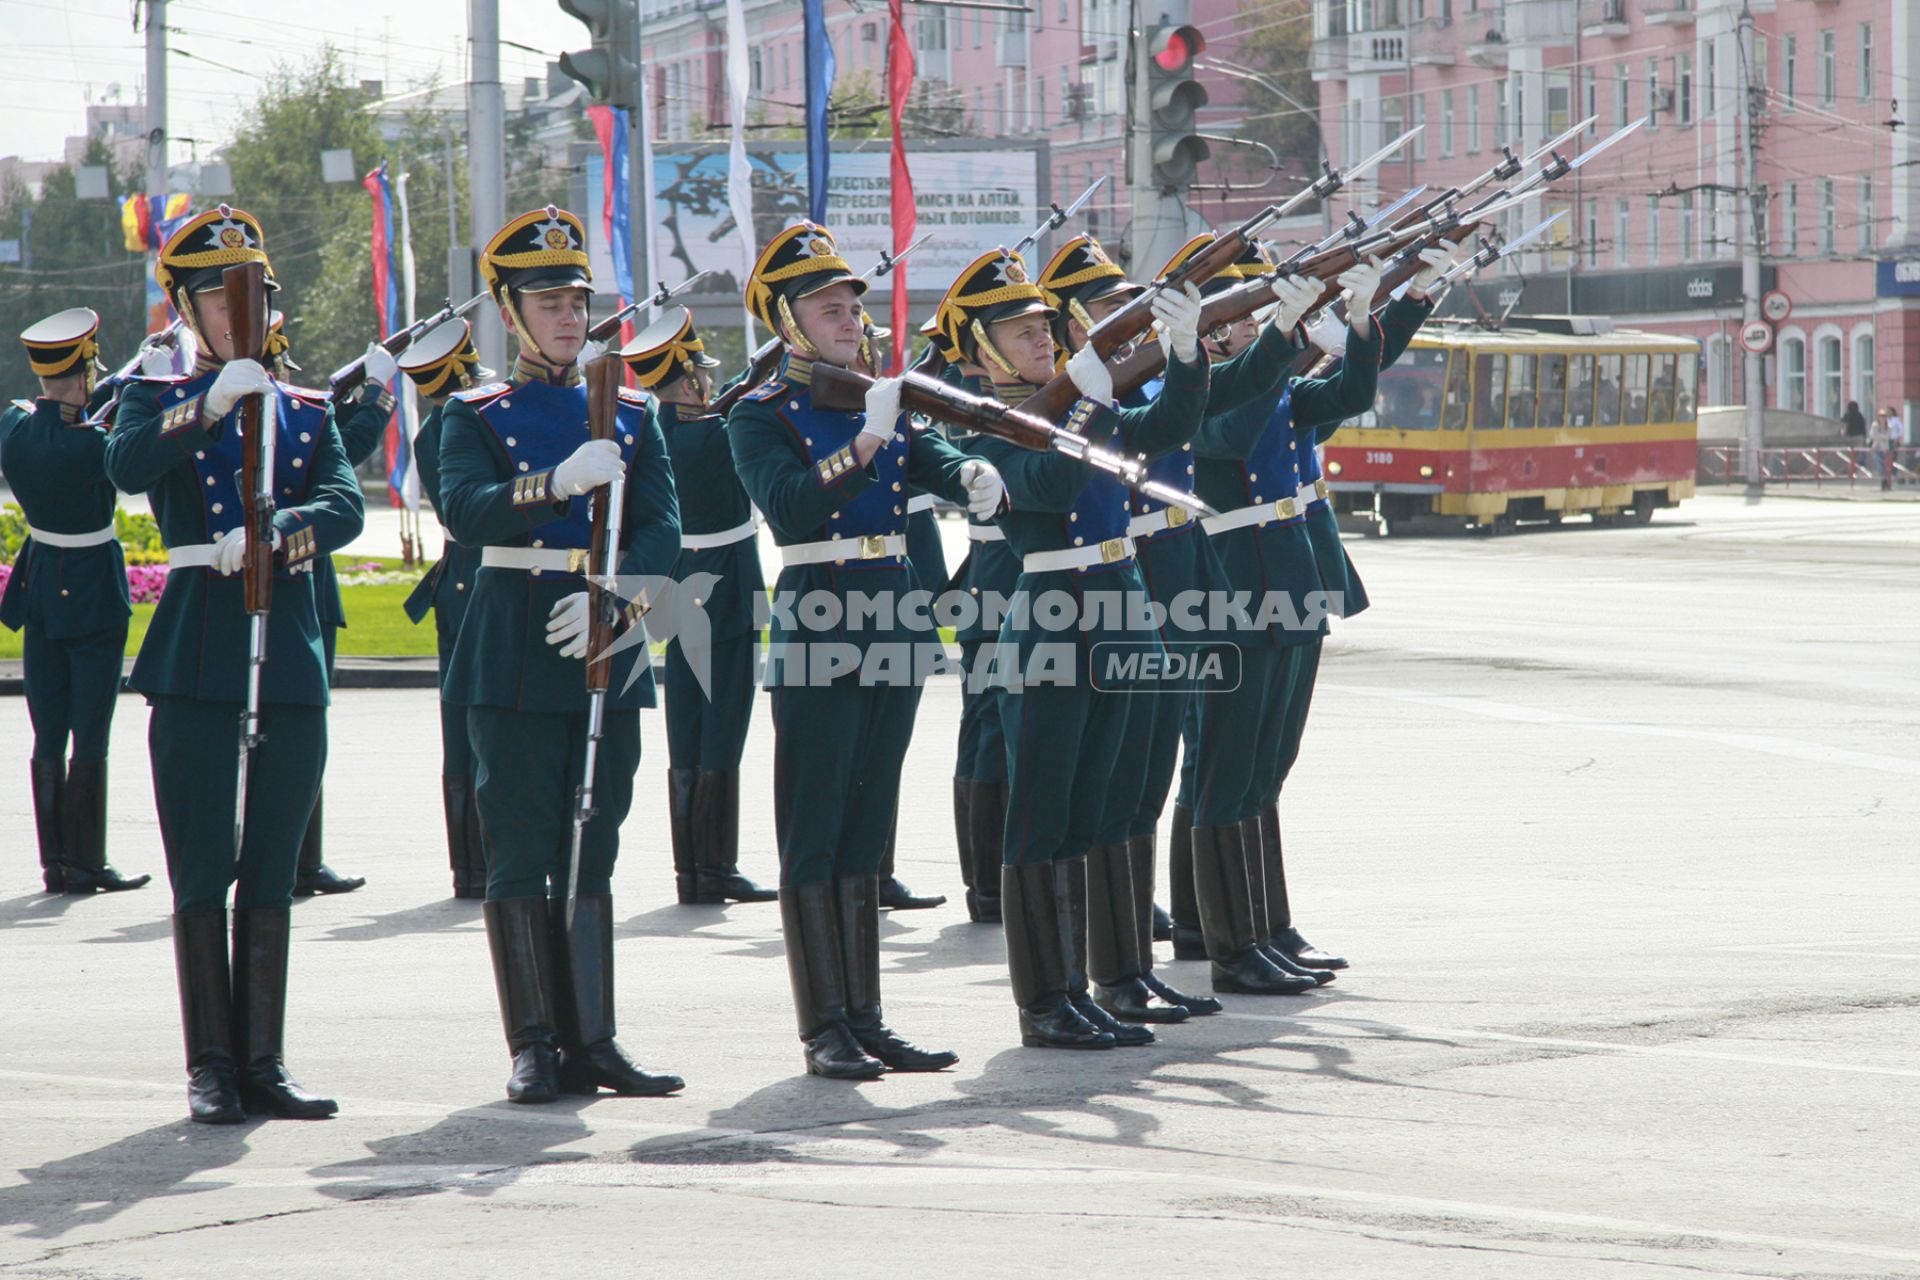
1177,47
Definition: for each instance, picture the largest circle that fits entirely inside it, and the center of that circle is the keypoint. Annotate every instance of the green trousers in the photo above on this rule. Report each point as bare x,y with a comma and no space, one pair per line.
837,753
707,728
73,686
528,766
1063,745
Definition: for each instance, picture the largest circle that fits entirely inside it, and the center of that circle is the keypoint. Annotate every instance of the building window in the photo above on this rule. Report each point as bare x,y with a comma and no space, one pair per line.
754,81
1593,233
1865,393
1420,122
1592,99
1868,238
1622,218
1621,104
1709,78
1686,251
1653,94
1790,224
1040,104
1829,227
1473,118
1683,89
1866,62
1653,231
1790,72
1446,122
1519,130
1827,374
1829,86
1502,89
1793,374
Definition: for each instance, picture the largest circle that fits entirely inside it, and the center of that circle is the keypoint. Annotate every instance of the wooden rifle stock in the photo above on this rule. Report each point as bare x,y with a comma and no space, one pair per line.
603,408
846,391
765,361
246,289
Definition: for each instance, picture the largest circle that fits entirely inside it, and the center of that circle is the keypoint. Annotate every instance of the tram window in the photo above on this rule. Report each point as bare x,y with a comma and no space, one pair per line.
1520,393
1408,394
1688,406
1453,415
1490,380
1606,406
1580,392
1634,390
1660,407
1553,390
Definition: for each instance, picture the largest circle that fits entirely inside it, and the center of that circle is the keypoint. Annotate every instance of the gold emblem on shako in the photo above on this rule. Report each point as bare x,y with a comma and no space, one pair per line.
1015,273
819,246
1095,253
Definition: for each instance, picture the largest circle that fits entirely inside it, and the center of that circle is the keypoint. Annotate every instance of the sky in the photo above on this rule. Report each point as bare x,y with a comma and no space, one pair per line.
67,53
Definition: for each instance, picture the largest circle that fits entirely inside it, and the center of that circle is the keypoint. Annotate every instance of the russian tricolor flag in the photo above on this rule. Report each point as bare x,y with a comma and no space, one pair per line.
386,304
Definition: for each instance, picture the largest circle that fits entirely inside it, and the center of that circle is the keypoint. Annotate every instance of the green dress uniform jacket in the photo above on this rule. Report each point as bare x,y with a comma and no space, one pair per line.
361,421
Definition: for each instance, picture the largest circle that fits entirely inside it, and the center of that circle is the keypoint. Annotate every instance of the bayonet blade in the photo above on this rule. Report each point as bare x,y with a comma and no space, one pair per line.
1616,136
1553,146
889,260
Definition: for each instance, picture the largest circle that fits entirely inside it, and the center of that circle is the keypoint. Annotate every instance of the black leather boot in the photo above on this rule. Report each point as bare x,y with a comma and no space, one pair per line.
315,876
894,895
1113,941
857,904
457,802
523,979
1033,899
1071,874
206,1016
1262,879
49,782
986,841
810,923
260,937
1226,917
83,833
1285,937
716,828
590,1058
1140,858
681,784
963,841
1188,941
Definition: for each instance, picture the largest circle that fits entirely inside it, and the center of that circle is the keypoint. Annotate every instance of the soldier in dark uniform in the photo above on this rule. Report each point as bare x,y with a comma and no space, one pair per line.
516,469
1067,523
68,590
441,363
832,486
178,440
706,724
361,418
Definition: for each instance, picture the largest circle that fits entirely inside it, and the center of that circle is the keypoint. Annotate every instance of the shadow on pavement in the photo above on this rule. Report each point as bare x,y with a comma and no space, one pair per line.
445,1156
96,1186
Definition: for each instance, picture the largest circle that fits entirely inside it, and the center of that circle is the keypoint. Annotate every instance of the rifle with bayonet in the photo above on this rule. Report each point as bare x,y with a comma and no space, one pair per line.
868,356
846,390
247,316
605,330
116,382
348,377
603,605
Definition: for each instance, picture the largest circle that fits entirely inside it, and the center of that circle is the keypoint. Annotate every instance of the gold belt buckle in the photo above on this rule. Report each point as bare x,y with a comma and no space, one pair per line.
872,546
579,560
1320,489
1113,549
1177,516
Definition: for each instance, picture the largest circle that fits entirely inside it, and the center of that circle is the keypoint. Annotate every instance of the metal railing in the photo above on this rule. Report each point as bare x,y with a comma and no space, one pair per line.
1832,467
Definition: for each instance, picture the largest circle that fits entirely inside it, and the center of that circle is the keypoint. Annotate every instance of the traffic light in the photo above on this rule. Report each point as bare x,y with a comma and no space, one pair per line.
611,69
1176,98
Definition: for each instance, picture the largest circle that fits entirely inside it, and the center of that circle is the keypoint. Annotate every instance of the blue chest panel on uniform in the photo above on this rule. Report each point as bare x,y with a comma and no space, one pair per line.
882,508
539,426
1270,467
1100,512
222,502
1307,454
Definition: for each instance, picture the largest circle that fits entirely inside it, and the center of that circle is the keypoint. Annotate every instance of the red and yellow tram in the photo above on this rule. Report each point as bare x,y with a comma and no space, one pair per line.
1493,427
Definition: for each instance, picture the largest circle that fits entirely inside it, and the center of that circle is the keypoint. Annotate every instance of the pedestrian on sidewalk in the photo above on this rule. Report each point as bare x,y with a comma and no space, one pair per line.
1880,440
1854,421
1896,444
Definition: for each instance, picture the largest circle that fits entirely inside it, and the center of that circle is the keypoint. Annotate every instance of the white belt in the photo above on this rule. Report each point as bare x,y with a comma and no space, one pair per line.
985,532
1156,521
536,559
1108,552
873,546
1241,517
94,539
1320,492
921,502
708,541
196,555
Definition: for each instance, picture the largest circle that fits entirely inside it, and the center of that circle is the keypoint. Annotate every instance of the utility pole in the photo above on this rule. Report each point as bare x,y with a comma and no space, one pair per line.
1750,253
486,158
156,123
639,214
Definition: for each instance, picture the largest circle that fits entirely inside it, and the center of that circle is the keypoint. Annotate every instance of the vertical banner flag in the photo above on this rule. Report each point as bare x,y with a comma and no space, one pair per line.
616,203
899,85
409,404
386,306
739,169
820,70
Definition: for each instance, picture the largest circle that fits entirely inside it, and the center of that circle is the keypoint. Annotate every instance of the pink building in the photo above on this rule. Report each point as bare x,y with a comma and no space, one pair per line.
1655,230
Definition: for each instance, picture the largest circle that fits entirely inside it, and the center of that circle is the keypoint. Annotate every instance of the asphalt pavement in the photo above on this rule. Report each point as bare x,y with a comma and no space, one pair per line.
1618,826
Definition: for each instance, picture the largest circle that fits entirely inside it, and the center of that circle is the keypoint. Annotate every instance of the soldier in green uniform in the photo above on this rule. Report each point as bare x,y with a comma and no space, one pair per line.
442,362
516,471
361,418
706,719
177,440
844,680
1067,523
68,590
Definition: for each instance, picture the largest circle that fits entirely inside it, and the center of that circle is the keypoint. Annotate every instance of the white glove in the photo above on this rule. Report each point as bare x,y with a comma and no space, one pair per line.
1437,259
156,362
1091,375
1327,333
380,364
1297,294
883,408
567,625
238,378
230,550
1178,313
591,351
593,464
1362,283
984,487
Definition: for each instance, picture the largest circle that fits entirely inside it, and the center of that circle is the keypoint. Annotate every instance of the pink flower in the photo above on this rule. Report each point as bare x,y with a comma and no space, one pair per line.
145,582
